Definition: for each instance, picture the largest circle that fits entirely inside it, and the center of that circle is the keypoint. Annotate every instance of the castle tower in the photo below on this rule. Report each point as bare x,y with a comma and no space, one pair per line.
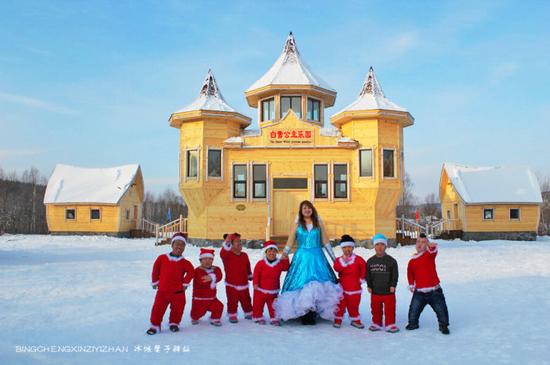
290,84
204,125
377,123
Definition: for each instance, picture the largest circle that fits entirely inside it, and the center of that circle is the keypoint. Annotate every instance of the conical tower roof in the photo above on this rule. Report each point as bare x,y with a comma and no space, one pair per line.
372,97
290,69
210,97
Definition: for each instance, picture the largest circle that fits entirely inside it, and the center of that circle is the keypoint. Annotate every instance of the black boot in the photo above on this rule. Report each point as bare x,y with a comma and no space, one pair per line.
308,319
411,327
151,331
443,328
174,328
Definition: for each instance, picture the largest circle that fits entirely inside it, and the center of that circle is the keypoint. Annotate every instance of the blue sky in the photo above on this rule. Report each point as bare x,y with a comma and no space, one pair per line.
92,83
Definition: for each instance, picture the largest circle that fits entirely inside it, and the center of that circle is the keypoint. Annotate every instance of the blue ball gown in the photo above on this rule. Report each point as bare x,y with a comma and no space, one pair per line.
310,283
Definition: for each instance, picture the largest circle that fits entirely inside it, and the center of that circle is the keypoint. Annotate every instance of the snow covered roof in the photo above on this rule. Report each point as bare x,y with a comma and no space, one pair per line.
372,97
234,140
330,131
290,69
210,97
512,184
73,184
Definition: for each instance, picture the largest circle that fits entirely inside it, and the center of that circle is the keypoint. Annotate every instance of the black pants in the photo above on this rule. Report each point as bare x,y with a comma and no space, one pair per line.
435,299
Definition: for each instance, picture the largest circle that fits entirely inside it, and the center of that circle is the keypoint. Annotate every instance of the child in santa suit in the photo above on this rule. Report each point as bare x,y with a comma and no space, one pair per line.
382,276
266,281
424,284
171,276
204,289
237,274
351,271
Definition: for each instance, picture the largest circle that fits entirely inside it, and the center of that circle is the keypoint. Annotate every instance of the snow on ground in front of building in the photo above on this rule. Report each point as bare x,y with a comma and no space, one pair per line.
73,290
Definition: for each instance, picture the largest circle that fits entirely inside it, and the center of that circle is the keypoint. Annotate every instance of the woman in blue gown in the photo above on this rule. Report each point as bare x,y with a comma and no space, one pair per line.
310,286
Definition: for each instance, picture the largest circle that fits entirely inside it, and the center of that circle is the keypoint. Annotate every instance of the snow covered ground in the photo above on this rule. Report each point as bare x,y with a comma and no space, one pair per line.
95,291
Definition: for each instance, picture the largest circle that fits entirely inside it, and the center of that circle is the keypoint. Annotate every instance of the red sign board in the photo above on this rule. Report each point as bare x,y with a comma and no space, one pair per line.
291,136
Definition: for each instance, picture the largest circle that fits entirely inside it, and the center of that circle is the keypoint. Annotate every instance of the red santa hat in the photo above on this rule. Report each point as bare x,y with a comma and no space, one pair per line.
179,236
206,253
270,244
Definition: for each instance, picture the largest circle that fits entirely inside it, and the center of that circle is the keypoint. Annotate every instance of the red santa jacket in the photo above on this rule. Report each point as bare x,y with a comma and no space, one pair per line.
236,267
267,275
421,271
351,272
206,290
171,273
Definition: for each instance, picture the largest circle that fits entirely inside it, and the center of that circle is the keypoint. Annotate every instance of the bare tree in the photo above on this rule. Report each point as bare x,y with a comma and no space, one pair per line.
431,206
544,183
407,203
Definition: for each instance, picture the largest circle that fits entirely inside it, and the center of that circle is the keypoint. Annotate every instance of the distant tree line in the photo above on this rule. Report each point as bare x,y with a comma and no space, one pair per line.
163,207
21,202
22,209
409,203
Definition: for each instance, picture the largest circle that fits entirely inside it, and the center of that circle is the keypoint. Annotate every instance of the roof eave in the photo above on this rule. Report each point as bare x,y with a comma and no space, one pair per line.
253,96
176,119
403,117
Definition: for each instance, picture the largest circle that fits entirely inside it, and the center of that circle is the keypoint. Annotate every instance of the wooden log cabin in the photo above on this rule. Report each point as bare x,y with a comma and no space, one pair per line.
94,201
486,203
252,181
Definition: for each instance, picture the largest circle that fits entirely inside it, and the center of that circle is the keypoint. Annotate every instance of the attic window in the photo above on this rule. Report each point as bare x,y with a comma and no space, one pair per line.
291,102
268,109
488,214
313,109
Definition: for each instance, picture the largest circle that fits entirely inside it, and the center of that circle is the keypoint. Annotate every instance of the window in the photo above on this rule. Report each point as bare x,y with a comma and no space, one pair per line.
365,163
448,214
95,214
289,183
268,109
259,180
214,163
514,213
488,213
313,109
239,181
127,214
320,173
389,163
192,163
291,102
340,181
70,214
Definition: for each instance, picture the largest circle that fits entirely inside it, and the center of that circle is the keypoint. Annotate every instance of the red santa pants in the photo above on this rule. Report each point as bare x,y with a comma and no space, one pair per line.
260,300
162,300
199,308
234,296
351,302
387,304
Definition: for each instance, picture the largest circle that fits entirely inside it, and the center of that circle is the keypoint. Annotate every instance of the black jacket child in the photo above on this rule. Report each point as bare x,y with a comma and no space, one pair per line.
382,274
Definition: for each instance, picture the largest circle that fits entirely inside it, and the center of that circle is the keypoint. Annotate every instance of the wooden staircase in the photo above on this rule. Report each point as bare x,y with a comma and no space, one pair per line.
162,233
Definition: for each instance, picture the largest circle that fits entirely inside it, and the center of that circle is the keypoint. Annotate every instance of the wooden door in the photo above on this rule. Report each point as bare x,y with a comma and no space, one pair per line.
285,209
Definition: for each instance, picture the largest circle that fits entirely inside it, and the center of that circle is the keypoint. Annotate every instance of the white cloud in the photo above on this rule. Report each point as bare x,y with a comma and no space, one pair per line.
35,103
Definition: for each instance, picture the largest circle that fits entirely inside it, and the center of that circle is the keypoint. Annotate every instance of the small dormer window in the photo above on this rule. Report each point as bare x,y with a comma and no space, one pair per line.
313,109
268,109
291,102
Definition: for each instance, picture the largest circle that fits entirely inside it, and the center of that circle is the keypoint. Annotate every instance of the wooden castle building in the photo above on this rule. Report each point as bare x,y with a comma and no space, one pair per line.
106,201
252,181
